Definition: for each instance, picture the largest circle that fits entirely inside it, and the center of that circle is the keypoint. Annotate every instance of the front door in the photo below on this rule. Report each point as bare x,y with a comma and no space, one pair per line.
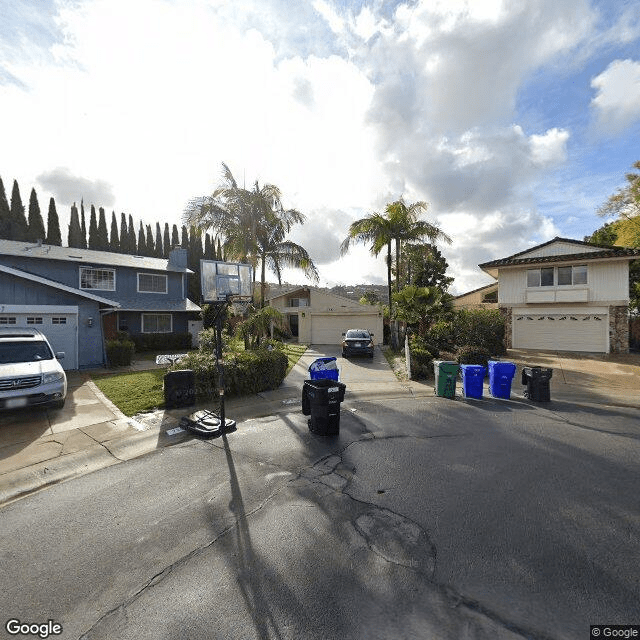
110,326
293,324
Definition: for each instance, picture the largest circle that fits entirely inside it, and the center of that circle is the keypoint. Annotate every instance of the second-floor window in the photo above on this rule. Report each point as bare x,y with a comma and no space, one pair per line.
561,276
101,279
298,302
152,283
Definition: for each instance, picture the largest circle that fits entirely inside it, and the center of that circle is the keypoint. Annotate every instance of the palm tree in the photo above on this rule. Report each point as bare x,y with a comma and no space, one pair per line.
253,224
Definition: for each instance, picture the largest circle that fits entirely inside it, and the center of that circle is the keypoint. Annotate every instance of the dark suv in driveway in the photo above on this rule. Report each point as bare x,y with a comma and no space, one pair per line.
357,342
30,373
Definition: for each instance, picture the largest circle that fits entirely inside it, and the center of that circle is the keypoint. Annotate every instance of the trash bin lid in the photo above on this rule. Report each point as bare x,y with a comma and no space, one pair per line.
323,364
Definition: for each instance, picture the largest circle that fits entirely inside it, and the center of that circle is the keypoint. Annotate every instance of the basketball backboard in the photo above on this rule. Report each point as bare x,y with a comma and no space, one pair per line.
222,280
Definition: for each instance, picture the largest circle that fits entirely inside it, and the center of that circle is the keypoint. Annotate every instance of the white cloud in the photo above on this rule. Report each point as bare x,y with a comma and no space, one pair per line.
617,103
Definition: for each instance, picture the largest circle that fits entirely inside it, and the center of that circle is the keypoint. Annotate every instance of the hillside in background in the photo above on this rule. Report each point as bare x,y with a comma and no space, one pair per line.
354,292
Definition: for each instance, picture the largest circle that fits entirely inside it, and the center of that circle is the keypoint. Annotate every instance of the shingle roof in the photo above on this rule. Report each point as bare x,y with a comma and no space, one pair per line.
70,254
611,252
158,305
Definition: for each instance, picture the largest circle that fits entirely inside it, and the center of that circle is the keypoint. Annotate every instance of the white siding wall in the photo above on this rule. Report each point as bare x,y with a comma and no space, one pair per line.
607,282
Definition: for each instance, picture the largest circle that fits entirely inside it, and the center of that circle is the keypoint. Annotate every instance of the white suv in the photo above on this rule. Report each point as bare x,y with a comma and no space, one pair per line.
30,373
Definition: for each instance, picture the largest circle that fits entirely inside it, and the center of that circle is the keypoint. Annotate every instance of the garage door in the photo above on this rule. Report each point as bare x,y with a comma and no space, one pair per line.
561,332
329,329
61,329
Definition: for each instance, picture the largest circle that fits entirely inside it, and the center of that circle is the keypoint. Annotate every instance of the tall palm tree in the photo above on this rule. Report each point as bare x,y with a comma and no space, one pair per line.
253,224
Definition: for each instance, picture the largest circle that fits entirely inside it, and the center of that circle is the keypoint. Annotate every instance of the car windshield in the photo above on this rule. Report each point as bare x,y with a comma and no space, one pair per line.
32,351
361,335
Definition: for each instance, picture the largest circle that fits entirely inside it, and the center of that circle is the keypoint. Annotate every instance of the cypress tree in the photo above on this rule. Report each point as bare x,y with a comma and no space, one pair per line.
114,240
194,254
150,242
18,227
5,213
102,236
75,231
35,229
166,241
124,234
207,246
220,255
159,249
53,225
175,238
185,238
93,230
83,227
142,243
133,250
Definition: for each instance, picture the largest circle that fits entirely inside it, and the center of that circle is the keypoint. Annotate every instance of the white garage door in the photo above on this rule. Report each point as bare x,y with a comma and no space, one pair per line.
561,332
60,327
329,329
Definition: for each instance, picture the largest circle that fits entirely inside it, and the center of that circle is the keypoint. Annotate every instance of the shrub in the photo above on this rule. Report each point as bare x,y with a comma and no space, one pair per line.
119,352
441,335
208,340
480,327
471,354
245,373
422,356
274,344
161,341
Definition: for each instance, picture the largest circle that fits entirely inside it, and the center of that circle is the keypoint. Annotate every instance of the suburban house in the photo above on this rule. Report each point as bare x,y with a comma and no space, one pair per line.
482,298
79,298
319,317
565,295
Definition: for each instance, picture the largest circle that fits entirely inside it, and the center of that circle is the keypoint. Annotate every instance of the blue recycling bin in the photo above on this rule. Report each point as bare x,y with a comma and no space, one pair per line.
501,375
472,379
324,369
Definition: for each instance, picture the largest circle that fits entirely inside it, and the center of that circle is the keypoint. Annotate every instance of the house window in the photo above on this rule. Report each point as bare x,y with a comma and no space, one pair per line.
58,320
152,283
299,302
572,275
565,276
34,320
540,277
102,279
7,320
157,323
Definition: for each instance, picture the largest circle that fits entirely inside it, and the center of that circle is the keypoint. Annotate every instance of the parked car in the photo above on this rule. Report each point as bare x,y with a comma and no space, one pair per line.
30,373
357,342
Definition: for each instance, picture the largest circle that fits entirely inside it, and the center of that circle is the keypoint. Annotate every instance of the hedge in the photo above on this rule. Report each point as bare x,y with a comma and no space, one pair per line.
245,373
119,352
161,341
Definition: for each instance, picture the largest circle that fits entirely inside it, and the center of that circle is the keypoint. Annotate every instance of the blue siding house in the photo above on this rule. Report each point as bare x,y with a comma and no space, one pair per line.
79,298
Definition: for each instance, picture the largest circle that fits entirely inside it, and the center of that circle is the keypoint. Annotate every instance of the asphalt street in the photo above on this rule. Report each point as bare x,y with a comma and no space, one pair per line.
425,518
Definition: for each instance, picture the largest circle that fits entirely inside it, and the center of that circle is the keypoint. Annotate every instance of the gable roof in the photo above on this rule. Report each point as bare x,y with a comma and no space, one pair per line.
492,285
71,254
57,285
589,252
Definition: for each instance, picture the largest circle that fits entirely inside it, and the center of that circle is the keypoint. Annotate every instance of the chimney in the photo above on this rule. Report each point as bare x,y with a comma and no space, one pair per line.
178,257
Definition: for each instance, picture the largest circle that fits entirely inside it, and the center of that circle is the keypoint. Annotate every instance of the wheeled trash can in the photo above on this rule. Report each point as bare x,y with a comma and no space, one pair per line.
472,379
324,368
446,372
537,382
321,400
179,389
501,375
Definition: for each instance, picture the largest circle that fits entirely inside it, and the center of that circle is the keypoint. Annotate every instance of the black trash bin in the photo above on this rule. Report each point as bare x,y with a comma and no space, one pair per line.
321,400
179,389
537,381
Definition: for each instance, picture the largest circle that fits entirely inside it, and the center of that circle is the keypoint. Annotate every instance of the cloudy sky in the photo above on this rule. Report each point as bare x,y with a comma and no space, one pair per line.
513,120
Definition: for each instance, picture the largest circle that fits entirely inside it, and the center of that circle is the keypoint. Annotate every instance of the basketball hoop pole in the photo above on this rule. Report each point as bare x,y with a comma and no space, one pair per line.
221,309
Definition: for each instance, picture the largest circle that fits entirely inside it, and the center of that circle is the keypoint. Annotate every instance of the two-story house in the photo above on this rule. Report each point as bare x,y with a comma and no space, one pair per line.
319,317
565,295
80,297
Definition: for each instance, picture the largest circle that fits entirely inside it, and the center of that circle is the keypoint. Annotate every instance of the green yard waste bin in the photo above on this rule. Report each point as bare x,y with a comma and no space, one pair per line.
446,373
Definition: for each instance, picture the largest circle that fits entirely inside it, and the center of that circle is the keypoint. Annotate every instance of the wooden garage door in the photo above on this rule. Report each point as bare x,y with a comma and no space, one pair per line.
561,332
329,329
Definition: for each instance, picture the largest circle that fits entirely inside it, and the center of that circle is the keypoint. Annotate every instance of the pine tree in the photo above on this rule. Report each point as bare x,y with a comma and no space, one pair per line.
114,240
18,227
93,230
53,225
166,241
103,236
35,230
124,234
150,242
75,231
5,213
142,243
83,227
175,237
158,251
133,249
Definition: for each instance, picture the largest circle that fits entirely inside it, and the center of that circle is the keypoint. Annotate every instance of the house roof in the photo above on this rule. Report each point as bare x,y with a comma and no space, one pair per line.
57,285
492,285
595,252
158,305
71,254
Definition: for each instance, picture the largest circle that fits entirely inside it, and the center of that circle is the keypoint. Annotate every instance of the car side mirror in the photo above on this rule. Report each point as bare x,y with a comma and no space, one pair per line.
60,355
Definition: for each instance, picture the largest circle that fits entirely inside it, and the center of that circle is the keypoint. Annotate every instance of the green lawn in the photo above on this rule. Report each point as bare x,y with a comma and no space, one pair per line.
143,390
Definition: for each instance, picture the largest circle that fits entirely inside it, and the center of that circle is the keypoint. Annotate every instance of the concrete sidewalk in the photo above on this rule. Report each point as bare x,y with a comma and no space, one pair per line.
41,447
